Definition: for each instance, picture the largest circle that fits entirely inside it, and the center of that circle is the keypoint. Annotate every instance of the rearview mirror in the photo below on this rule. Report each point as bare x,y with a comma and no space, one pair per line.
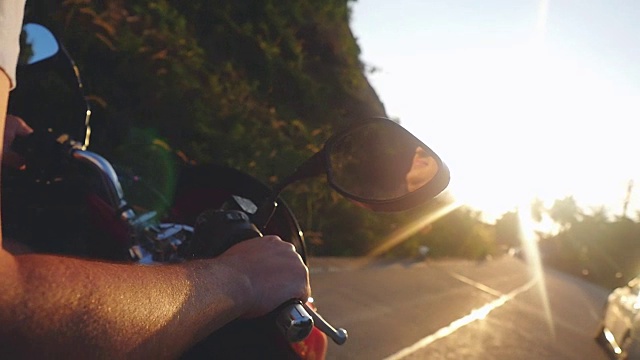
382,166
47,72
37,44
375,163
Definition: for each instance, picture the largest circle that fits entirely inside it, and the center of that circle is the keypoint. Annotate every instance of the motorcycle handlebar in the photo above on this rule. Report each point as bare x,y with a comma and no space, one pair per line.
223,229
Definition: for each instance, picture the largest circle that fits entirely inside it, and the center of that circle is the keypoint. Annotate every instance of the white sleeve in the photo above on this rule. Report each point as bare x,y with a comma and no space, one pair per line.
11,14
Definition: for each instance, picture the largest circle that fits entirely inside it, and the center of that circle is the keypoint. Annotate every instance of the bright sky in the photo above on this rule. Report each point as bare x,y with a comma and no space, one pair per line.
521,98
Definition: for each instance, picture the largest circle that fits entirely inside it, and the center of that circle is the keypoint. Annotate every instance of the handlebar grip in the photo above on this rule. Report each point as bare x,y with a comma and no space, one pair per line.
294,321
41,142
21,144
43,151
215,231
46,155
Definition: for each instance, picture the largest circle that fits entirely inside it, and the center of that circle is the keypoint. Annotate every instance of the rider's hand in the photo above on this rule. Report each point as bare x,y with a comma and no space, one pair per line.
14,126
273,270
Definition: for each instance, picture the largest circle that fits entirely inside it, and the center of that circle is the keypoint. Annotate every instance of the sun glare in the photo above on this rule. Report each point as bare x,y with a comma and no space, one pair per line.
529,243
533,119
536,126
404,232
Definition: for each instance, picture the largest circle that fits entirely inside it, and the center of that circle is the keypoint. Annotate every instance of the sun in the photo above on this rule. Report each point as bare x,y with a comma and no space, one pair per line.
515,121
525,125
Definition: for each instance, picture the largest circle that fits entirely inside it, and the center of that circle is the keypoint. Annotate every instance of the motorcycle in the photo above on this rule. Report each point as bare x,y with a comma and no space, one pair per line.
71,191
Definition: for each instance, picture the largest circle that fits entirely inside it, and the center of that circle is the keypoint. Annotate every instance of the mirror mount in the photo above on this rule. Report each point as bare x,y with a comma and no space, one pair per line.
375,163
313,167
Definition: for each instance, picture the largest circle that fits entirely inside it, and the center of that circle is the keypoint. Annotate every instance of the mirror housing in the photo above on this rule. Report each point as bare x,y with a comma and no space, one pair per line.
47,72
380,165
37,44
407,173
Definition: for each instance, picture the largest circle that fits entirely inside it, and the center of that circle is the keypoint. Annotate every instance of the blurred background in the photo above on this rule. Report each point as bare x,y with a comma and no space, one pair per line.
532,104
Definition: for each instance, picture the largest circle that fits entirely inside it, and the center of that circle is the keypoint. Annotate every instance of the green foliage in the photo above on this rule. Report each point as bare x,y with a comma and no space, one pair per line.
447,231
565,212
26,49
257,85
508,230
462,233
209,76
602,250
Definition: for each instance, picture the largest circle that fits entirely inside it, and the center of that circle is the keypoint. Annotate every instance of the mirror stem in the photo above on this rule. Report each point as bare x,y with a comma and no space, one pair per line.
314,166
265,212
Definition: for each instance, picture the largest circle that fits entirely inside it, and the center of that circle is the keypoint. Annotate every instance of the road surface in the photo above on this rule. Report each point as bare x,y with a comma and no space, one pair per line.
454,309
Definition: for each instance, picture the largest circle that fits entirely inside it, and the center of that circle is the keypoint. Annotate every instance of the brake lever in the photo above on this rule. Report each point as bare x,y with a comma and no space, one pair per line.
338,336
227,228
296,320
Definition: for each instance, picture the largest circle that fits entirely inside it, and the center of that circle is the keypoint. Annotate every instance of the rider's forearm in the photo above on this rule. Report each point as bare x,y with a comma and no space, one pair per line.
66,307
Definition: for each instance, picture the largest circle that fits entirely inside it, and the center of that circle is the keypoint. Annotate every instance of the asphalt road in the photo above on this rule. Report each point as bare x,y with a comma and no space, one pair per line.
451,309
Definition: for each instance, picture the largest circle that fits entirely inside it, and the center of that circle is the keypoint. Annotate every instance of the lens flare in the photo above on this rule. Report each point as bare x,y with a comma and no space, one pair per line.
529,243
403,233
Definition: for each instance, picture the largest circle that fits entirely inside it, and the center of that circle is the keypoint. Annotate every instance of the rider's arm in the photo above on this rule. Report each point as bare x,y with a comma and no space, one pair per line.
58,307
65,307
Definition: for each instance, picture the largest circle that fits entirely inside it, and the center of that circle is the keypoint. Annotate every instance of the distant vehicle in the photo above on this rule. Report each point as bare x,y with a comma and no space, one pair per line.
423,252
620,328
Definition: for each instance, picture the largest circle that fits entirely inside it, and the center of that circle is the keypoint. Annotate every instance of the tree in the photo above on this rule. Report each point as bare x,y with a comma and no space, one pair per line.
565,212
538,209
254,85
508,231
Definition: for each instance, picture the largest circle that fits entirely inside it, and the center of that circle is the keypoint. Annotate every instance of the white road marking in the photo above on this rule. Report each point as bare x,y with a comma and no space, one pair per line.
474,315
477,285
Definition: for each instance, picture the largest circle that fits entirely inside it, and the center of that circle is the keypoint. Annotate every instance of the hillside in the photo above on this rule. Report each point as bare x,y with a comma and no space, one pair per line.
256,85
211,77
